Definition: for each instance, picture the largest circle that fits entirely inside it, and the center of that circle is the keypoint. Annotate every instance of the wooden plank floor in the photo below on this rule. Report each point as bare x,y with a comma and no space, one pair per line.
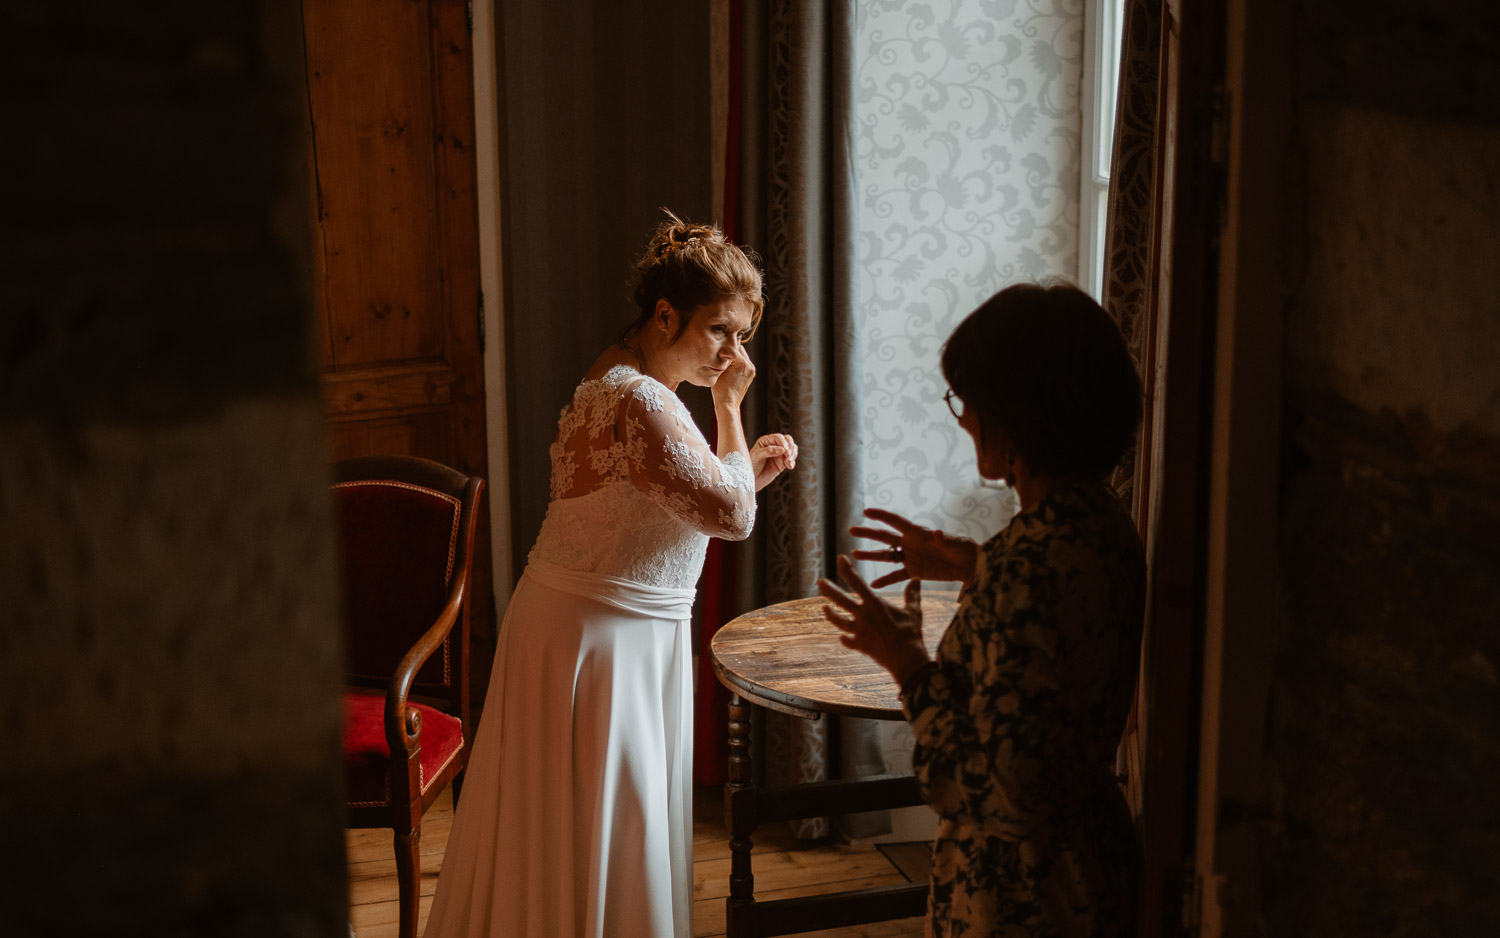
783,867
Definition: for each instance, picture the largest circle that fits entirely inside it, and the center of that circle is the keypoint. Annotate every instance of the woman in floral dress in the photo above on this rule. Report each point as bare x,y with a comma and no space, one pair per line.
1018,719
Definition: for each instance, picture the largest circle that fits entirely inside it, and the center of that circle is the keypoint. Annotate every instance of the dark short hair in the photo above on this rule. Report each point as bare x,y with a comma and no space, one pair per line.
1046,366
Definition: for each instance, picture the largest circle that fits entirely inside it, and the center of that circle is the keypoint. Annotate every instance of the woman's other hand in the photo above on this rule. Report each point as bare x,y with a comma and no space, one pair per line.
919,553
772,455
729,390
891,636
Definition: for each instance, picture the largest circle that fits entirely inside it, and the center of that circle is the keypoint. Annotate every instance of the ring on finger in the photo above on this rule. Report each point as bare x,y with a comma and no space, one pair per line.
898,555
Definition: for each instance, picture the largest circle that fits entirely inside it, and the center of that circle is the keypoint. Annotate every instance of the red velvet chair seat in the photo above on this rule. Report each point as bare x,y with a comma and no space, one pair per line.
367,755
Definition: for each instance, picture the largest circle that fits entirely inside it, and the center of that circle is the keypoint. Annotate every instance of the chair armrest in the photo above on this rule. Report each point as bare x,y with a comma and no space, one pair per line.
403,725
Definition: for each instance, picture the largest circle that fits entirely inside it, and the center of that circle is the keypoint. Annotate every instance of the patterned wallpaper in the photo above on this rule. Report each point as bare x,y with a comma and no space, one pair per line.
967,147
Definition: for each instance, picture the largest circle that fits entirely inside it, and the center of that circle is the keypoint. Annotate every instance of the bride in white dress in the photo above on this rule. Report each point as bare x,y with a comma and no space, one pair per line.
576,815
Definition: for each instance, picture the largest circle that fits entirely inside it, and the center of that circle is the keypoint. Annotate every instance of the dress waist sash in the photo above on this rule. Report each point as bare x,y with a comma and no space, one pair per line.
653,602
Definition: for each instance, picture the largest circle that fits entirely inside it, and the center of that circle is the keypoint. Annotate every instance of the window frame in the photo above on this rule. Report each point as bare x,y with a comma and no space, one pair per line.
1102,22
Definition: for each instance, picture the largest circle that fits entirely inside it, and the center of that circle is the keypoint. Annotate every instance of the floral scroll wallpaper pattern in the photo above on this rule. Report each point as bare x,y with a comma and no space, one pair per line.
966,150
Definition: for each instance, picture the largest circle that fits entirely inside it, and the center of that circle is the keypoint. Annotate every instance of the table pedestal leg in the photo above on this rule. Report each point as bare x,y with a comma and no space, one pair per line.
739,815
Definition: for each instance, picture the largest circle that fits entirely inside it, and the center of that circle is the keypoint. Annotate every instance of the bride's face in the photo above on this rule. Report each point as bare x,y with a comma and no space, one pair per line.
714,334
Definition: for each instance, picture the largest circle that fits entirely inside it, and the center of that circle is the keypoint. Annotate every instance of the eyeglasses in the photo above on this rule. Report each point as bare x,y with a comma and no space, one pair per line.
955,404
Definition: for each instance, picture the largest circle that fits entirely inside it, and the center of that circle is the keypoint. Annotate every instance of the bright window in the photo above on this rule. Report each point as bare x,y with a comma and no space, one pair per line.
981,155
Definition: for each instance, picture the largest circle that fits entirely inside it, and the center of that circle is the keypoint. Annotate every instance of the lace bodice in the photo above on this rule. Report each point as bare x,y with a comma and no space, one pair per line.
636,490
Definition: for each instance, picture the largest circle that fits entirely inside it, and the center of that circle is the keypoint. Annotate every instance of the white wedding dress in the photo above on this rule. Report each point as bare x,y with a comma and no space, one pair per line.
575,819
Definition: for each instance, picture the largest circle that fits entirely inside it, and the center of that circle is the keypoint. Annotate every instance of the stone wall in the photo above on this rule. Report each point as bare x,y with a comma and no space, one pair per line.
1384,734
170,655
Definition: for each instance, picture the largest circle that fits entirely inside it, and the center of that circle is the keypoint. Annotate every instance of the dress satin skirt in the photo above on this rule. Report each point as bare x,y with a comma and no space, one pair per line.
575,817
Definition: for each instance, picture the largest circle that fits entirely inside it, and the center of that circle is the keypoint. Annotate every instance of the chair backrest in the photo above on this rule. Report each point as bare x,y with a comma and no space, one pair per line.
406,535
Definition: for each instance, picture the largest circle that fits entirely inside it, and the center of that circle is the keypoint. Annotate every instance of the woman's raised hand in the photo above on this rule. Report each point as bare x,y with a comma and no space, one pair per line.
919,553
772,455
889,634
729,390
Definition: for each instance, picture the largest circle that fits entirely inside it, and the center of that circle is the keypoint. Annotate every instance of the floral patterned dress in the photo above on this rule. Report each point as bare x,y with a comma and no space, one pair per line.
1017,725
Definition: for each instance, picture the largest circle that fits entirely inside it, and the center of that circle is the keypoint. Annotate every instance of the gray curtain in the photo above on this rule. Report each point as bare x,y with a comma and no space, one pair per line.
598,130
799,210
1129,240
1129,263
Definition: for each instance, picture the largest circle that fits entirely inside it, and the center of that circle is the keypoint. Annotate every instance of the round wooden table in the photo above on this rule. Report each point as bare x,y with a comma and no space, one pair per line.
788,657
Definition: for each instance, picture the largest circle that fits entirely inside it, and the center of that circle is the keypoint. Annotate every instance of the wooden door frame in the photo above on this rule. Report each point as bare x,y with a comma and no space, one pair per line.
1173,475
1208,491
1240,604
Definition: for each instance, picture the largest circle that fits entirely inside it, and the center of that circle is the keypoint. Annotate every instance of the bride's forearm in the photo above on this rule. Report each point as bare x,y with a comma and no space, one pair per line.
731,431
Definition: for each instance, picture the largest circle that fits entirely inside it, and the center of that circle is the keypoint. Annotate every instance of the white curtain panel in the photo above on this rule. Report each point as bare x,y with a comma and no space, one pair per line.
966,178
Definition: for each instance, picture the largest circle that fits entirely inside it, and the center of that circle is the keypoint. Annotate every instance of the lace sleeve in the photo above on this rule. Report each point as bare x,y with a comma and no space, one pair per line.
671,463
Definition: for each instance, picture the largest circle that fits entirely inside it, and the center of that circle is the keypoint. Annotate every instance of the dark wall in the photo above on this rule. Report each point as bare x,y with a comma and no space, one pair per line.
169,650
1384,725
604,113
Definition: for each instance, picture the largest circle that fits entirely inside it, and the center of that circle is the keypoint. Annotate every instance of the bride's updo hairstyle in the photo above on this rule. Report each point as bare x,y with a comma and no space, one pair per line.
690,266
1044,365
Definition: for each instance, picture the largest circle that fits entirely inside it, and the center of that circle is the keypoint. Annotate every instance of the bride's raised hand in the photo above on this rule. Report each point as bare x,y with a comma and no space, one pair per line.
729,390
919,553
772,455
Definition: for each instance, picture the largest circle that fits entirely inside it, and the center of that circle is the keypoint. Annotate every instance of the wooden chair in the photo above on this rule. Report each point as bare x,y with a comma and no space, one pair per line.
406,531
